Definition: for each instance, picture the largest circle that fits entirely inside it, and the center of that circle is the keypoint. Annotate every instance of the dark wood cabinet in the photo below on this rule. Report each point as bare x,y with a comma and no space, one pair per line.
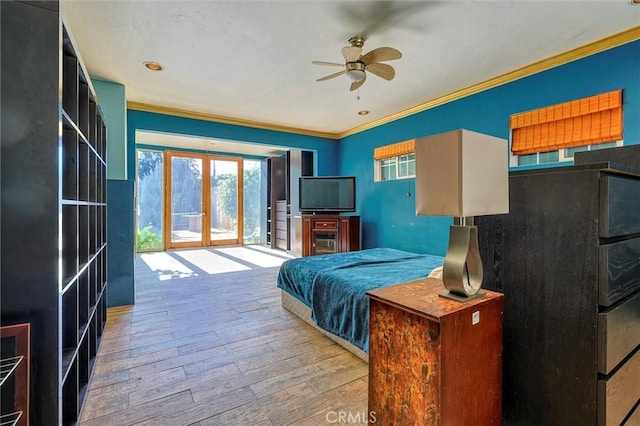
567,258
434,361
327,234
282,198
53,157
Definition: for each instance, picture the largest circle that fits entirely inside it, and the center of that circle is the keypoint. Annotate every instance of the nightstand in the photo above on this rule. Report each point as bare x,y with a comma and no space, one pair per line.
434,361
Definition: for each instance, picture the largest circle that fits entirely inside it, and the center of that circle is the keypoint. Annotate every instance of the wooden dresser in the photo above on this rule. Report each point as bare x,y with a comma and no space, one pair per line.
434,361
327,234
567,258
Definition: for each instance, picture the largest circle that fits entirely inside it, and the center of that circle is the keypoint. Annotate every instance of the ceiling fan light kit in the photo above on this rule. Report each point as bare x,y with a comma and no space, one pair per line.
355,71
356,65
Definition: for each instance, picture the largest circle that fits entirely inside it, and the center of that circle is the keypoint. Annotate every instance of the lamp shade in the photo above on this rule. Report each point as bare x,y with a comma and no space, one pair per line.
461,173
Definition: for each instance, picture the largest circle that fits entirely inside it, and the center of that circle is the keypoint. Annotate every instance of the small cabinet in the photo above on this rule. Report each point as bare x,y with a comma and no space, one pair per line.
434,361
327,234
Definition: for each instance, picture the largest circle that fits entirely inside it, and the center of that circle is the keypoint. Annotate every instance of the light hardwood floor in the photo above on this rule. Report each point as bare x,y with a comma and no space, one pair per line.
207,343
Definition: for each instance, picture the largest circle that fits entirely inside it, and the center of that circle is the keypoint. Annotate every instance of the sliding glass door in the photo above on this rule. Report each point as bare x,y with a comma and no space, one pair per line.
225,201
203,196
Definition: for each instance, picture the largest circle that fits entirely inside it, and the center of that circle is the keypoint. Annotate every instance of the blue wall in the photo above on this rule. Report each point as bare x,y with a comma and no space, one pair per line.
388,214
326,149
120,242
113,102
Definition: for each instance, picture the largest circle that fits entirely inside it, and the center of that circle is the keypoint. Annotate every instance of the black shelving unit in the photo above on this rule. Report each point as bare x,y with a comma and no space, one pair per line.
53,206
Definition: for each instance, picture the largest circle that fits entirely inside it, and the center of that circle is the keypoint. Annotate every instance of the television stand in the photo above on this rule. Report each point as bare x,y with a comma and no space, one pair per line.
329,233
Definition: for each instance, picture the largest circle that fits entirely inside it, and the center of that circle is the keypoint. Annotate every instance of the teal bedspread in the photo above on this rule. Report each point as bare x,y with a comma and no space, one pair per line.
334,285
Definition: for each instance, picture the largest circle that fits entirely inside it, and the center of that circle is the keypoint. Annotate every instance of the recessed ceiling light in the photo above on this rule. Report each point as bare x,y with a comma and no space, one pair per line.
363,112
153,66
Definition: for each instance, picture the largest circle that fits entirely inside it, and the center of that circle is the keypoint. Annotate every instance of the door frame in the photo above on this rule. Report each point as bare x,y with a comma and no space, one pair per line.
206,201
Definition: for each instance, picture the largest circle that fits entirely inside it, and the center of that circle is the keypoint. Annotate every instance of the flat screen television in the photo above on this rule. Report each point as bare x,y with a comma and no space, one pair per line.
327,194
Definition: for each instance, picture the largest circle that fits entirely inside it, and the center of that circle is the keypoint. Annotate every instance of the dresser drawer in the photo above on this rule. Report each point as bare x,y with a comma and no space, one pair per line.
281,234
325,224
619,270
618,394
618,334
619,206
281,206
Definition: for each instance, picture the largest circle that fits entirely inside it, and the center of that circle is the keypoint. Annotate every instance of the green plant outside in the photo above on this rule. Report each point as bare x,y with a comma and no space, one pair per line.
148,240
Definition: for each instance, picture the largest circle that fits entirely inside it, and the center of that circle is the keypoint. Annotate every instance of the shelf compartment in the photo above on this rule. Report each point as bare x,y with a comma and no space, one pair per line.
70,318
83,299
83,362
70,395
99,226
101,272
102,140
83,235
70,165
83,108
69,242
92,284
93,177
93,110
100,172
70,87
83,171
93,230
93,340
101,313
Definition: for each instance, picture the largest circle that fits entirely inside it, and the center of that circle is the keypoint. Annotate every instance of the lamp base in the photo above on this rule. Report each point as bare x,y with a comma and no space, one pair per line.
459,297
462,269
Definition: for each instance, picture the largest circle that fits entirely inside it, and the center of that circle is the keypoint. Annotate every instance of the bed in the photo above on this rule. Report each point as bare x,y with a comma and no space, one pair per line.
328,291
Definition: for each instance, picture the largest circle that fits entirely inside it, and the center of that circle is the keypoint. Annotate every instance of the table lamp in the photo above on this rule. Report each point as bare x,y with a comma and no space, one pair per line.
462,174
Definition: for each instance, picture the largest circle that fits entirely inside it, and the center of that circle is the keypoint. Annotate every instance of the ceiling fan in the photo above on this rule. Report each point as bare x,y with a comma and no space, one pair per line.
357,65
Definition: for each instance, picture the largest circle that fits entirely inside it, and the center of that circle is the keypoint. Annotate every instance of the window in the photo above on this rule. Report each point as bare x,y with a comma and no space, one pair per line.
395,161
150,200
554,133
400,167
565,154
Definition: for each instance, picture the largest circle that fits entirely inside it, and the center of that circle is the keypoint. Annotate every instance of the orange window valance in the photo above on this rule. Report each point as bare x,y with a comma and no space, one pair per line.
394,150
592,120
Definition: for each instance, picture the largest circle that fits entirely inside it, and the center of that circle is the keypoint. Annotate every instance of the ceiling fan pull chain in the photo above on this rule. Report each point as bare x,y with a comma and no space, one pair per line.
358,98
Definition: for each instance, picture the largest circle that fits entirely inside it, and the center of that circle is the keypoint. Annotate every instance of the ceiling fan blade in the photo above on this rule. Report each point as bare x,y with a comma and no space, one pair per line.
331,76
381,54
327,64
358,83
381,70
351,53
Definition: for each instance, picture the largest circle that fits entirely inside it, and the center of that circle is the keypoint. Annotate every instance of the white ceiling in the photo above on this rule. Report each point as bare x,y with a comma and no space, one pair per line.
251,60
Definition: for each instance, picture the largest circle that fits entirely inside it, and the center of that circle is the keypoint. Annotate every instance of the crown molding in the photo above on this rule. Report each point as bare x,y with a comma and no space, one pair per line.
138,106
615,40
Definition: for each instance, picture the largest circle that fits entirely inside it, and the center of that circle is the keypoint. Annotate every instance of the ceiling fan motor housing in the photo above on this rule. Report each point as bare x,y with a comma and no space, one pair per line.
356,41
